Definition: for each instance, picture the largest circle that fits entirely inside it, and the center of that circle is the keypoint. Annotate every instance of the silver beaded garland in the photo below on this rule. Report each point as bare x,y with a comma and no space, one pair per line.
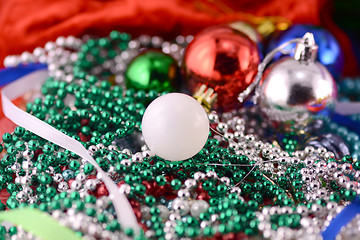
238,131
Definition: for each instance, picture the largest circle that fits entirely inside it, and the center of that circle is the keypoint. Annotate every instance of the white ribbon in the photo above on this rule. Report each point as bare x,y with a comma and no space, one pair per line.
125,214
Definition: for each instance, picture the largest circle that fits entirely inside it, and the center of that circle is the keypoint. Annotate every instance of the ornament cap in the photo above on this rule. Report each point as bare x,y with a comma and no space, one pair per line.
306,50
205,96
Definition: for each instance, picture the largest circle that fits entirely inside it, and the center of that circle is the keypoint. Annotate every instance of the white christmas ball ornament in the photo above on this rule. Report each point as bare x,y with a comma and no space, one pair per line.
175,126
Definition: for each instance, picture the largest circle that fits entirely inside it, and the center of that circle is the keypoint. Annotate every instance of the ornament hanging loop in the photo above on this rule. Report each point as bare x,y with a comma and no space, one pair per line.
305,51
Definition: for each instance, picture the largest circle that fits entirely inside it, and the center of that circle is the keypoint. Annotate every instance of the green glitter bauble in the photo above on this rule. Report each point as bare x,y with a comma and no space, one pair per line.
153,70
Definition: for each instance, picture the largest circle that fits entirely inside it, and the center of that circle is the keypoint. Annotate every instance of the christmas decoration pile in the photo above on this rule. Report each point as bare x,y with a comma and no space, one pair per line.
278,169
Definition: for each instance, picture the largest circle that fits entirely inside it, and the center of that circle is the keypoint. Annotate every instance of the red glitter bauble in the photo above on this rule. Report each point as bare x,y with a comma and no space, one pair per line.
224,59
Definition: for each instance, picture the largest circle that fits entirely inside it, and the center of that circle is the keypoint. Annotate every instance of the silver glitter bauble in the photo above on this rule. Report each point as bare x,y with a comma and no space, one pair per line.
296,91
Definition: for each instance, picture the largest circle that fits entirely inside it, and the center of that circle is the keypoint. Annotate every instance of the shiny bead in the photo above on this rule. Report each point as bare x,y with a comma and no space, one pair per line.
347,168
183,193
198,207
190,183
58,177
125,188
199,175
225,180
68,174
164,212
309,149
181,206
90,184
211,174
75,185
213,118
222,127
63,186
